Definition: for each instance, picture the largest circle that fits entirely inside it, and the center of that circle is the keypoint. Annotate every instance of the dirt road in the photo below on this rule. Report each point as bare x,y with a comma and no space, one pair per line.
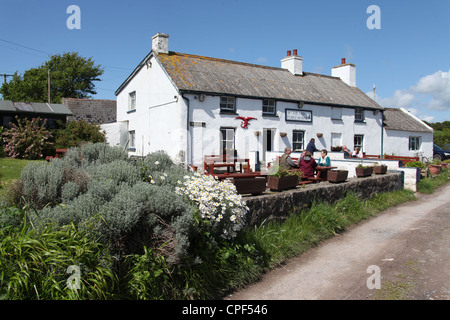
402,253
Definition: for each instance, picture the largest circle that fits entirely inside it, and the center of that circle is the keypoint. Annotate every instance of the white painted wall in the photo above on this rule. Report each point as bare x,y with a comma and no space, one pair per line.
206,140
159,118
397,143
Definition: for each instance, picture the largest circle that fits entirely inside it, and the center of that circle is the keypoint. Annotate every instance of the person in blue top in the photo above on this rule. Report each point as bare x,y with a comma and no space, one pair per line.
311,147
324,160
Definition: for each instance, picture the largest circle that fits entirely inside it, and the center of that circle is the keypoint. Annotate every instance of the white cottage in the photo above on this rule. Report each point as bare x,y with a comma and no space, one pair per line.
191,106
406,135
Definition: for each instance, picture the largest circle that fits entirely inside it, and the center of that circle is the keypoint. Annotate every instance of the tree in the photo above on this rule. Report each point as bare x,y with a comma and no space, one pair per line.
71,76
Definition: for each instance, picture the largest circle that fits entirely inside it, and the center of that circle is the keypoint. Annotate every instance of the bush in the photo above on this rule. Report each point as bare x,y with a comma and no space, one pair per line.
76,132
43,183
415,164
28,139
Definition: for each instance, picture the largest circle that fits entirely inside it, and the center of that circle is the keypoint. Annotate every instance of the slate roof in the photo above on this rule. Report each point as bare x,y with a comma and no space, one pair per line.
199,74
34,107
402,120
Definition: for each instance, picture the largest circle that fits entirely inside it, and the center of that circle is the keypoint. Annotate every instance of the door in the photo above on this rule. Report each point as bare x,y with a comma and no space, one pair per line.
268,138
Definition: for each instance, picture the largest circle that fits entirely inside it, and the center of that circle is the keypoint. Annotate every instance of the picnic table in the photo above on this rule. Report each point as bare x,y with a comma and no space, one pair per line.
236,175
219,161
322,172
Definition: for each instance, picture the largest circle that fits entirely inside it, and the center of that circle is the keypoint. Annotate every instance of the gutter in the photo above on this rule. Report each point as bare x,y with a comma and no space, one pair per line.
188,151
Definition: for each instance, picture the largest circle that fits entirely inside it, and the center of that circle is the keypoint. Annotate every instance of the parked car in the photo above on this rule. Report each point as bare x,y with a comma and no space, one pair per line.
439,153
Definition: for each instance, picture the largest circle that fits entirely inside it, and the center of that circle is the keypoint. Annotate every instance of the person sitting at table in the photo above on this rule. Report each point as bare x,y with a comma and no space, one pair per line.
286,161
357,153
307,165
324,160
347,153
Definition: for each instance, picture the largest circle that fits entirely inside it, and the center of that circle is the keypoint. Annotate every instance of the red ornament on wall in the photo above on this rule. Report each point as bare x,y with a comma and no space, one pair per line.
245,121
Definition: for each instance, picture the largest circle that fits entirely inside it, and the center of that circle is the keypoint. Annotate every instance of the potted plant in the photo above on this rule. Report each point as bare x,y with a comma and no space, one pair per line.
337,176
363,171
435,167
379,168
283,179
254,186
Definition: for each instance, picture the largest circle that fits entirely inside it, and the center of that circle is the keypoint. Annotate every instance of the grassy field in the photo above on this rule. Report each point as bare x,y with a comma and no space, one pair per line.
11,168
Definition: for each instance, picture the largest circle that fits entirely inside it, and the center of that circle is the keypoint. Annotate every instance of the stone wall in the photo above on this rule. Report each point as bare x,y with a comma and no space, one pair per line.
278,205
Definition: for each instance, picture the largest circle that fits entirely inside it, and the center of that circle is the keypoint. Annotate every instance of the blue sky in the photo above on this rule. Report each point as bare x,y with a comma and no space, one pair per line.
407,59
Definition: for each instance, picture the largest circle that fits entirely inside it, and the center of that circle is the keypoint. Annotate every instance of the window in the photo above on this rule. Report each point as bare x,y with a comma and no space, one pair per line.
132,101
131,140
298,140
359,115
227,104
227,141
268,107
336,113
414,143
358,141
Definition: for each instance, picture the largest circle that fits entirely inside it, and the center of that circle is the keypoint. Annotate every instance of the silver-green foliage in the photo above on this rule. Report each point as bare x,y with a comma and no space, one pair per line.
114,199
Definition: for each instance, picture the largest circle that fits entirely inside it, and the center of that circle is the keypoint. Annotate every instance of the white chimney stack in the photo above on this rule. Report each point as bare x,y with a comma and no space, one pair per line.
345,71
160,43
293,63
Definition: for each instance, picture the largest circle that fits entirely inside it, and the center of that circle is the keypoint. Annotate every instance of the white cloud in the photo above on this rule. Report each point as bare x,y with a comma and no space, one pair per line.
437,87
431,93
401,98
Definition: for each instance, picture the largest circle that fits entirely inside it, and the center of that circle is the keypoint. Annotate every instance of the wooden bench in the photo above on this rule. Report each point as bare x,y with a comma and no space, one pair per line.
371,156
59,153
402,159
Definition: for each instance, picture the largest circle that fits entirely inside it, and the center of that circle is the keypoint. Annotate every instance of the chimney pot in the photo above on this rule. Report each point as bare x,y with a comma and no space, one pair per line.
295,52
343,61
289,53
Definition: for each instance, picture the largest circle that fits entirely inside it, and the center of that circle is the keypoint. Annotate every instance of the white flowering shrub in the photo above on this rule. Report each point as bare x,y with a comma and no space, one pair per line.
218,203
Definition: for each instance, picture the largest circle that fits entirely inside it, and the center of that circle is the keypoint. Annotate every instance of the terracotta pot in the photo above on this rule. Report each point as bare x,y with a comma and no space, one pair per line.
434,169
337,176
364,172
282,183
380,169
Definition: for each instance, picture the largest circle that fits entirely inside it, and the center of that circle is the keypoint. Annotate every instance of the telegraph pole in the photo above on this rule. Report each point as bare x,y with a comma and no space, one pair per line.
48,85
5,75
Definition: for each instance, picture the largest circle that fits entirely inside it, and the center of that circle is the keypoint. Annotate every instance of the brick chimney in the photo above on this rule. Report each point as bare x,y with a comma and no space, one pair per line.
293,63
160,43
345,71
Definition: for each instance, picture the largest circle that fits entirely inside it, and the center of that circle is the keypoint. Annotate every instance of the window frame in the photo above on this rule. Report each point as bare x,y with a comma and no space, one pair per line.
224,105
295,141
359,115
360,145
132,101
414,140
224,139
266,103
132,140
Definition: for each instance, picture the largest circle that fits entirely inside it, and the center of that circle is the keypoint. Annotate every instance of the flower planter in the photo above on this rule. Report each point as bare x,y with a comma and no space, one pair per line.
434,169
337,176
252,186
363,172
380,169
282,183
